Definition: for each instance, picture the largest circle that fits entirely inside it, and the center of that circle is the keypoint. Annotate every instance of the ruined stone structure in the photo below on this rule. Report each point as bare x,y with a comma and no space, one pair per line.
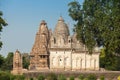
17,63
58,50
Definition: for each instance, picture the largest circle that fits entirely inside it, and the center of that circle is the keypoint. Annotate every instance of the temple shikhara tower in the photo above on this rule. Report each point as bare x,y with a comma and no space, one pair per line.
17,63
39,56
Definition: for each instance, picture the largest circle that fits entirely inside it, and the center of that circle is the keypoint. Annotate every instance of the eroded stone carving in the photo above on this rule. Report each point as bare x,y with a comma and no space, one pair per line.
39,54
17,63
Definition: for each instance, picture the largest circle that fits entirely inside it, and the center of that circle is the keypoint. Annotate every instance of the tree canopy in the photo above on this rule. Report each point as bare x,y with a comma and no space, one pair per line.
97,23
2,23
25,59
7,62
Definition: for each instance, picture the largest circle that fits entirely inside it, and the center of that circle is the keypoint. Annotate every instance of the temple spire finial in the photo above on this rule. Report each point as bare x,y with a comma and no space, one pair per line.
61,19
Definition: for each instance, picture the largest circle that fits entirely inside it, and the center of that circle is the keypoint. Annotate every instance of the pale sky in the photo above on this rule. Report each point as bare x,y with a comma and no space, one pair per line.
23,18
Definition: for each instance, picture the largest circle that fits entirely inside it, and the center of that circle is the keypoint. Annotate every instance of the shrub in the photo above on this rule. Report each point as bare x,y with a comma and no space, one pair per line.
81,77
72,77
19,77
12,77
85,79
31,78
4,76
61,77
51,76
92,77
118,78
102,78
41,77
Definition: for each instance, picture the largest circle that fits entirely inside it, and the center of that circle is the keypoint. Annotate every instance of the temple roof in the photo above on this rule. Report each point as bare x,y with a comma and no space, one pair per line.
61,28
43,27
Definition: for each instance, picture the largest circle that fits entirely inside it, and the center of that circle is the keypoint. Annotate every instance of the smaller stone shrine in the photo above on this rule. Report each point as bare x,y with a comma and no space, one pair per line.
17,63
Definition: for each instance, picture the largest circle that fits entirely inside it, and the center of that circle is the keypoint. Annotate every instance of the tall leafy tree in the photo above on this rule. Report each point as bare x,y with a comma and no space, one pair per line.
2,23
2,60
8,62
84,17
98,23
25,60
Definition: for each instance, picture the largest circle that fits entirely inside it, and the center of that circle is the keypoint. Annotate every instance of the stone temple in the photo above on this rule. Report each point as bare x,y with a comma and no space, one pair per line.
58,50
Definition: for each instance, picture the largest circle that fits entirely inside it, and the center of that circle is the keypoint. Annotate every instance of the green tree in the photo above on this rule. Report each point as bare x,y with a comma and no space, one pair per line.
4,76
2,23
25,59
9,60
98,23
84,26
2,60
109,61
8,63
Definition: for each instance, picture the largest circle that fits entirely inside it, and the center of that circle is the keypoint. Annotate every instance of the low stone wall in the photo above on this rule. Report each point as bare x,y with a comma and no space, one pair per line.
109,75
